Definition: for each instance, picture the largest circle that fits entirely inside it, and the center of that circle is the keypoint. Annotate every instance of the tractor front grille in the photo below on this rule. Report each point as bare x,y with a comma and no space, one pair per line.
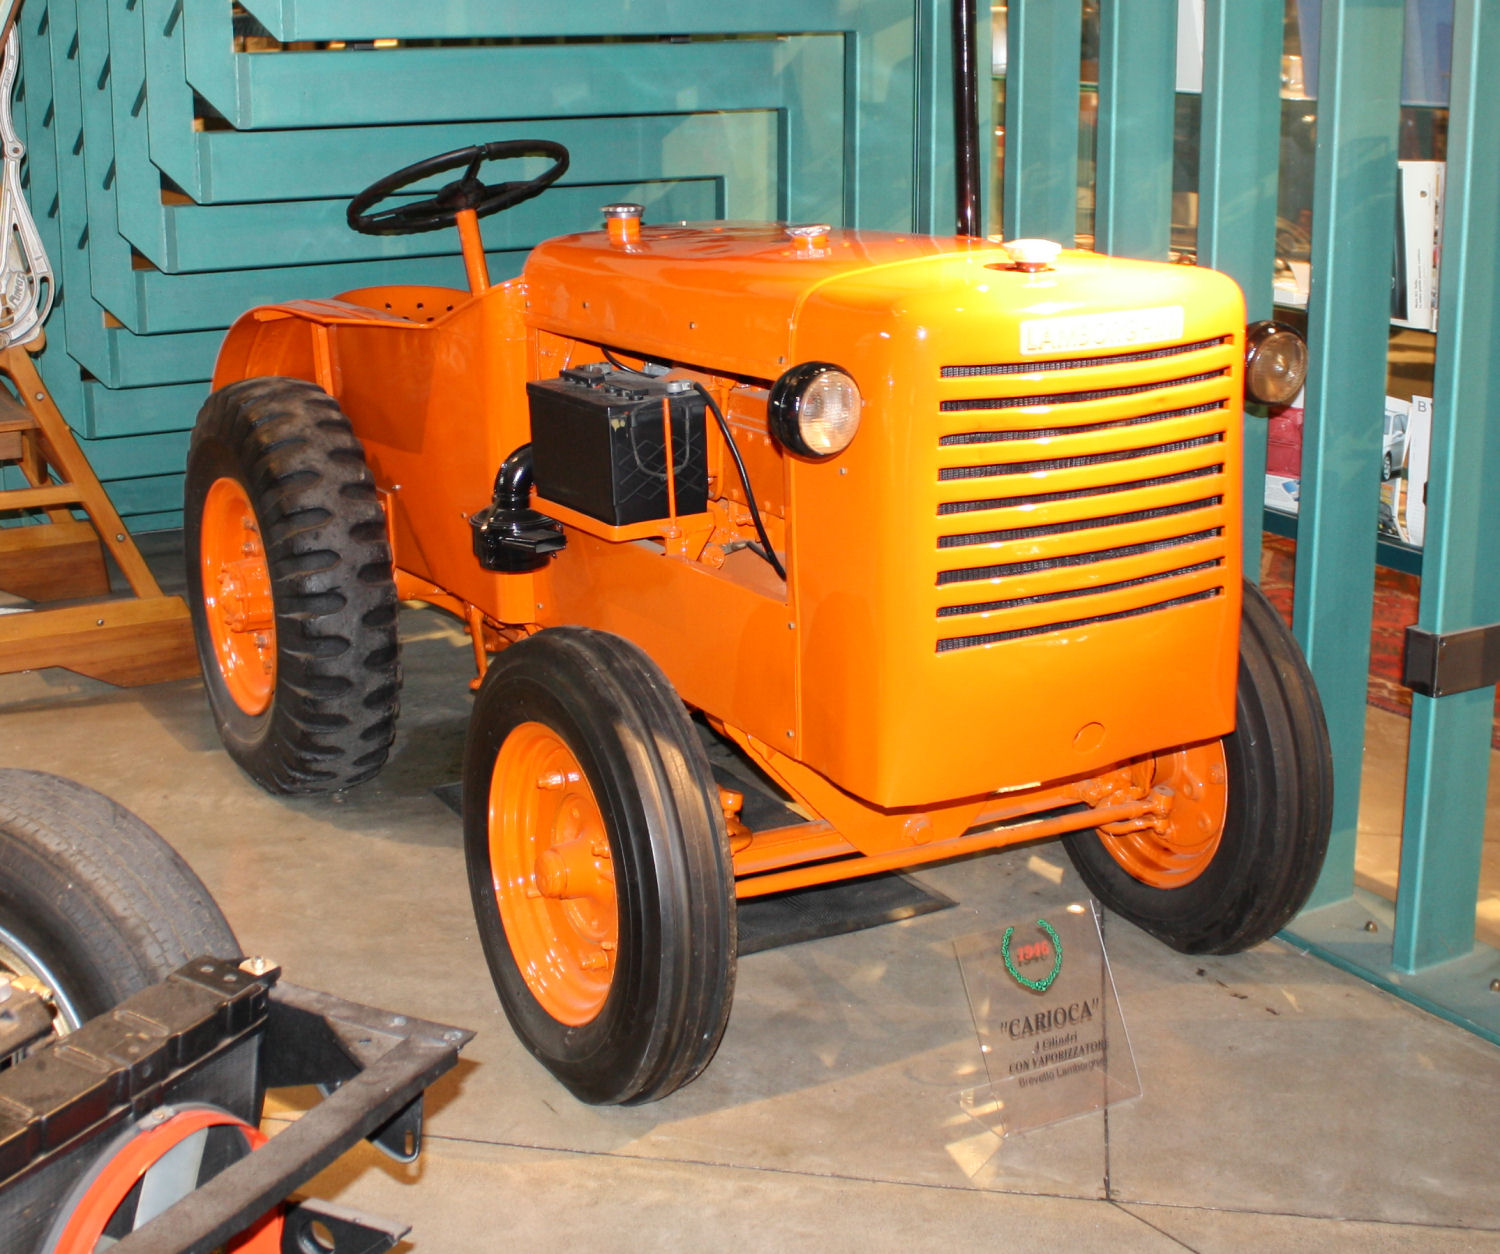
1091,495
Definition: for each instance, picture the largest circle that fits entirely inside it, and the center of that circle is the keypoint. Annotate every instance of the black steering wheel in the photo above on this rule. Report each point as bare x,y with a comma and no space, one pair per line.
467,192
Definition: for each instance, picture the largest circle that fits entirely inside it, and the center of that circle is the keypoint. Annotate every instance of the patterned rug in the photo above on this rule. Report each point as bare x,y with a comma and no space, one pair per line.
1396,595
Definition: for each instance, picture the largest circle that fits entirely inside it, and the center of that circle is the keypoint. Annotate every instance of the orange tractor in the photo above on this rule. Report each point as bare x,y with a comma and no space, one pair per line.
936,541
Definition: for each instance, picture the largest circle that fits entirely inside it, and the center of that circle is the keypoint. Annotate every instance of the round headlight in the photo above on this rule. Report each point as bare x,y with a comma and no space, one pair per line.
1275,363
814,410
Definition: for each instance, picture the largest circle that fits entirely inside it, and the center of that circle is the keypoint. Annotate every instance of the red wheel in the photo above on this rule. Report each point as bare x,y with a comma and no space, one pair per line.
1238,840
158,1161
1189,837
553,875
237,595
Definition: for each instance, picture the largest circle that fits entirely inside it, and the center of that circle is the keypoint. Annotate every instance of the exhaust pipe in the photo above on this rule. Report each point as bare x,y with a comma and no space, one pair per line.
966,163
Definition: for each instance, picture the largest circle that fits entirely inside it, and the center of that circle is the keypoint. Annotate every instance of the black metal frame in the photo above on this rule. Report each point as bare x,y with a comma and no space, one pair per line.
213,1032
1441,663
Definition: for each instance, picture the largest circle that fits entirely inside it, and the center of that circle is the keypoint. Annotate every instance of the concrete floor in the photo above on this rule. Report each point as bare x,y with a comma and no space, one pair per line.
1286,1105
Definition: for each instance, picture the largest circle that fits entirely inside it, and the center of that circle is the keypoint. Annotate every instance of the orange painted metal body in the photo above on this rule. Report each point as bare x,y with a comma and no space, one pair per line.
1021,575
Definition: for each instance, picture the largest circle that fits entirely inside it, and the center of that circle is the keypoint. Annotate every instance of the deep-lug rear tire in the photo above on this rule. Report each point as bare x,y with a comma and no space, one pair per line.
599,866
1224,890
291,587
93,903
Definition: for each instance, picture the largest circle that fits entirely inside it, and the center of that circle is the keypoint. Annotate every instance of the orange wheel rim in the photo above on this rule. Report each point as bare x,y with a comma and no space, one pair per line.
237,595
553,874
1178,847
83,1231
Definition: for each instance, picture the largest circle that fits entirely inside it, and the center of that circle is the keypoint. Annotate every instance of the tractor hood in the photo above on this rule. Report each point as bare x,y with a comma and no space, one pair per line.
718,294
729,297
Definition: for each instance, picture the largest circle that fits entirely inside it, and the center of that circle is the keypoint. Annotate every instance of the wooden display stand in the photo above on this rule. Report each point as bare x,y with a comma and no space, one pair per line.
141,639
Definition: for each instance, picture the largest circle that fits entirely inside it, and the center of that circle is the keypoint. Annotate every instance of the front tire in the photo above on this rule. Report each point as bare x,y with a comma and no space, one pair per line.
93,903
599,866
291,587
1250,821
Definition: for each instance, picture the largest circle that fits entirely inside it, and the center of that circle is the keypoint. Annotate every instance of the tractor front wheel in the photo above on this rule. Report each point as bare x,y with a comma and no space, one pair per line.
1244,841
599,866
291,589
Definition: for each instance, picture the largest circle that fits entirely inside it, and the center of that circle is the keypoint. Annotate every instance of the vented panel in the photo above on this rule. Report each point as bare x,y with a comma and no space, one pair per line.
1111,495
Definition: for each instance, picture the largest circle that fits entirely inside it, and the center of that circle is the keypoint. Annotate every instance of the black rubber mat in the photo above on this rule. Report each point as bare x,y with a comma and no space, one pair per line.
452,796
806,914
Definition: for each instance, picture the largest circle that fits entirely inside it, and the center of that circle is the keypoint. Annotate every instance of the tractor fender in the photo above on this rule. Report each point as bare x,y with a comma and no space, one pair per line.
294,340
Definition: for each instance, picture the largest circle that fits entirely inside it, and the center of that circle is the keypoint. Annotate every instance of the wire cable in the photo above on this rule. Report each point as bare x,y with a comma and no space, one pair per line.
739,464
764,550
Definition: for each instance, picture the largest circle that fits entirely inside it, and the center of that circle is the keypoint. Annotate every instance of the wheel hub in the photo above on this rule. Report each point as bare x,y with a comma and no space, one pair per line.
237,598
553,874
1184,800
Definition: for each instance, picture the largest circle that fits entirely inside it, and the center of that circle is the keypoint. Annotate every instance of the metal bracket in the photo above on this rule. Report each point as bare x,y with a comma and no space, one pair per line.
1441,663
319,1225
24,1020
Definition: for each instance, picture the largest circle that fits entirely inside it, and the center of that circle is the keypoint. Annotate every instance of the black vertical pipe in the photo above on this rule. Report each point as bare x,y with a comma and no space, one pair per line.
966,116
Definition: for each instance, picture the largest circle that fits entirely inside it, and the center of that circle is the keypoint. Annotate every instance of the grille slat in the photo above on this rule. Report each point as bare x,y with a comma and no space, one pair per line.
1085,428
950,643
1073,398
1078,494
1080,524
1070,594
1000,570
1075,363
996,469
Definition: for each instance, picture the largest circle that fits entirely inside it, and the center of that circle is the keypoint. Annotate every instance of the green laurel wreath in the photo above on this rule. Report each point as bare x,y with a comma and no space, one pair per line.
1043,984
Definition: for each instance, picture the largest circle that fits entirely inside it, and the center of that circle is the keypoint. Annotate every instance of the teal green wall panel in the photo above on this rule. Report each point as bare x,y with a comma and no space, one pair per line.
179,182
1133,166
1237,175
74,215
252,237
1443,834
1359,80
1041,120
894,178
250,166
322,20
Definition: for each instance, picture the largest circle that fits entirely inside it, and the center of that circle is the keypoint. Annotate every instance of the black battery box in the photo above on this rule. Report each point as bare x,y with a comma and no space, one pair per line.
598,444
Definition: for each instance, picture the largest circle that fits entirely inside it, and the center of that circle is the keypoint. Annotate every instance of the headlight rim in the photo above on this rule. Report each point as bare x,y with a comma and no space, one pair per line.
783,408
1256,335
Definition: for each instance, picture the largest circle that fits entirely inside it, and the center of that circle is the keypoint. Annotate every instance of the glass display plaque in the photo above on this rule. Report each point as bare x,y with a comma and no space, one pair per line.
1050,1031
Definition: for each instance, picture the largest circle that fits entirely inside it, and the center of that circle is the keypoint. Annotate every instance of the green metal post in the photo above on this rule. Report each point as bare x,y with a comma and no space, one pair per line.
1359,80
1044,43
1237,186
1443,833
1133,181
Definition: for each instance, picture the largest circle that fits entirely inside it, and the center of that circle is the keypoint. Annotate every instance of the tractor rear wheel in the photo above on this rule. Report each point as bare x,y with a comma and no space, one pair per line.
291,588
94,905
599,866
1248,829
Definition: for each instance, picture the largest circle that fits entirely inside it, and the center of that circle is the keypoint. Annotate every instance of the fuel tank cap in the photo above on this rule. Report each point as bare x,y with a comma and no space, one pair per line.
1031,255
623,221
810,236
